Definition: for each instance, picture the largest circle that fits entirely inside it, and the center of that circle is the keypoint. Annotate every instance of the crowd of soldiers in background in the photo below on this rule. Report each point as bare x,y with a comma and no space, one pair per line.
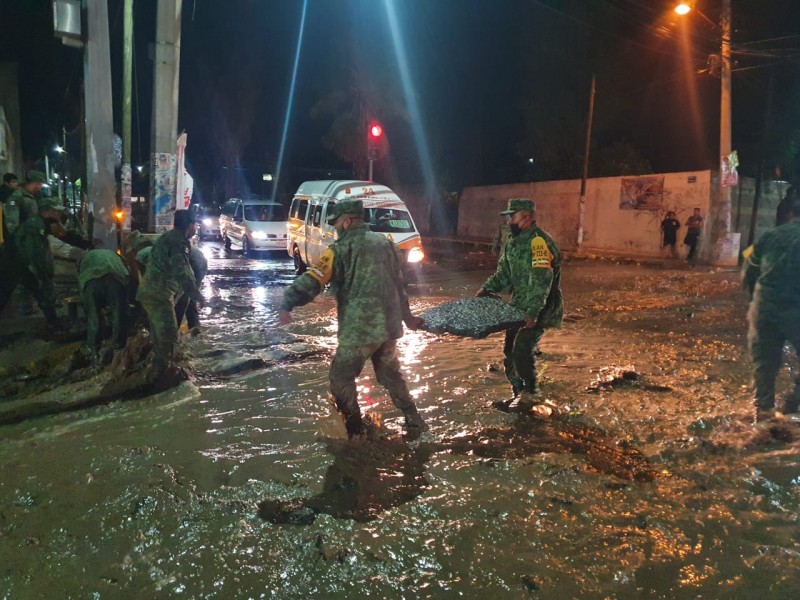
159,279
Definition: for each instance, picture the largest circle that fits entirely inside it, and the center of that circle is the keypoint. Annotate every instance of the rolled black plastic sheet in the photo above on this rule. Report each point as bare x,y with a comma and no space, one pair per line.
472,317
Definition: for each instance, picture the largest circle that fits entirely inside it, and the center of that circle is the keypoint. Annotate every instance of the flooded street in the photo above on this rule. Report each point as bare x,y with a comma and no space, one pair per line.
240,485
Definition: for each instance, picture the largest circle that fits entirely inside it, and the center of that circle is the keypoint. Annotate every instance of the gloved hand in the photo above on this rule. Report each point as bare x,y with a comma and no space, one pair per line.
414,323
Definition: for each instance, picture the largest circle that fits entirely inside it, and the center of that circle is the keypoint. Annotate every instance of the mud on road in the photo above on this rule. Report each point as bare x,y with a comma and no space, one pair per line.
651,484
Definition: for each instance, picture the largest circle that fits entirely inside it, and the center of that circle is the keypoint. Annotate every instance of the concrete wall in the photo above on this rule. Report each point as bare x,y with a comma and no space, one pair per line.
9,100
609,229
556,204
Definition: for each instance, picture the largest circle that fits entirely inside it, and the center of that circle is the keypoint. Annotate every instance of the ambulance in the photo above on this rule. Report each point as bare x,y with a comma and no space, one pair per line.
308,233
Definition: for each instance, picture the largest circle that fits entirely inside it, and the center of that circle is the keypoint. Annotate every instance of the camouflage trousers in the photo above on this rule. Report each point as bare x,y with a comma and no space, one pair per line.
766,338
348,362
13,272
519,361
100,293
163,328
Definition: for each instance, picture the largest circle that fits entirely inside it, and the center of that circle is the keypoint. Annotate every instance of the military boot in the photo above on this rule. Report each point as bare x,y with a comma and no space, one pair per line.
414,421
789,404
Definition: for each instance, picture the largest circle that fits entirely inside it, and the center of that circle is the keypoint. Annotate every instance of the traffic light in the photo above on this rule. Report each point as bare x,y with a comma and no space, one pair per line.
374,140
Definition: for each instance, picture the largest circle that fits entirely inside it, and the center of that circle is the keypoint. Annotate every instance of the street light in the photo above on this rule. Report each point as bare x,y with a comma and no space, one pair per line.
721,209
683,9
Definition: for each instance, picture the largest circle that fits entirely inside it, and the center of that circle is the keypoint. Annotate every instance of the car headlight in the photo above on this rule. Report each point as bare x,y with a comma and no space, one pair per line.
258,235
208,222
415,255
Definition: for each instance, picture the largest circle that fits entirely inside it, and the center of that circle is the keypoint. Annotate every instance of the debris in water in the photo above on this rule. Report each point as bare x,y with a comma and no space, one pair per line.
615,376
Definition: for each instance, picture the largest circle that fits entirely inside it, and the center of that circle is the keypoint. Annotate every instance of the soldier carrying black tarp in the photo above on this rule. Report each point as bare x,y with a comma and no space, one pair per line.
530,267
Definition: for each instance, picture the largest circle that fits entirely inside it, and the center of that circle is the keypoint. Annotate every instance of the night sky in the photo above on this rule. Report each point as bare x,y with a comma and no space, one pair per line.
495,82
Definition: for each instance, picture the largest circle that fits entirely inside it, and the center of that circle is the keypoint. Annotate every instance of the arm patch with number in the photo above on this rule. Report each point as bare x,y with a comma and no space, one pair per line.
322,270
541,257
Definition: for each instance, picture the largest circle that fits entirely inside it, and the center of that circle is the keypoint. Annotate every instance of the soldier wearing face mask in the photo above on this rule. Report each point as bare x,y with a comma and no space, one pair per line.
530,267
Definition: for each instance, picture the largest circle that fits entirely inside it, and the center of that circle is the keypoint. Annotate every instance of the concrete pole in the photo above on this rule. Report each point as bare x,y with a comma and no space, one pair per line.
725,112
582,203
127,94
720,217
98,118
165,114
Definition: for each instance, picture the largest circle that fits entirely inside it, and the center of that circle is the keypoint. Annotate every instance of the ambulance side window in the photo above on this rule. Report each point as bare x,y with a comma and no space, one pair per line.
317,215
302,210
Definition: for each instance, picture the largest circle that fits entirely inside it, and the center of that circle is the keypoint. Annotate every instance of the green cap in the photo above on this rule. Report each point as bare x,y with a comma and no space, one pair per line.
346,207
35,177
518,204
52,202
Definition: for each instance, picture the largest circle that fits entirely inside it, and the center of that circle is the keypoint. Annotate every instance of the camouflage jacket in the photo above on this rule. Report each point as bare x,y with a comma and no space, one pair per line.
99,263
771,273
530,266
169,273
18,207
363,269
33,247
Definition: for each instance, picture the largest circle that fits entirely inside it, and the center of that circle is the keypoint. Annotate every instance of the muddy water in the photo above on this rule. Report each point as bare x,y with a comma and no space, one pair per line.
242,487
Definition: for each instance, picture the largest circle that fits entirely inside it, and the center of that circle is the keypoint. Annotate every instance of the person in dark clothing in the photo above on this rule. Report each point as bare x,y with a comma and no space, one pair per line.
784,212
669,235
10,185
695,225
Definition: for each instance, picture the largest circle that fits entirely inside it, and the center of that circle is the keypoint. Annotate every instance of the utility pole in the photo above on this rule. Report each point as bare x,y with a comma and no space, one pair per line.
98,119
721,208
165,114
582,203
127,92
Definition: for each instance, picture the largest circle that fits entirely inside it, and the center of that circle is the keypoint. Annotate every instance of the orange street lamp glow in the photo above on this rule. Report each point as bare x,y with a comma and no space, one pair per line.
683,8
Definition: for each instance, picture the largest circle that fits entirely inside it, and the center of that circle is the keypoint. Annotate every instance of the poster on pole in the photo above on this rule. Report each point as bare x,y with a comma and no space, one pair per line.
163,190
642,193
125,182
729,166
180,170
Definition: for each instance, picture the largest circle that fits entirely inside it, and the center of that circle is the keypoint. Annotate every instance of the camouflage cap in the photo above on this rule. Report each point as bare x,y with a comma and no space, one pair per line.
35,177
51,202
518,204
346,207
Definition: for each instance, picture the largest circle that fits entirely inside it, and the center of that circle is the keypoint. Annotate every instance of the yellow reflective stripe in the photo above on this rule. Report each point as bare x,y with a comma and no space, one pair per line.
541,257
322,270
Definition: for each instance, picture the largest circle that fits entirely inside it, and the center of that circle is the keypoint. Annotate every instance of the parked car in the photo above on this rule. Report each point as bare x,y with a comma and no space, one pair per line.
254,225
309,234
208,223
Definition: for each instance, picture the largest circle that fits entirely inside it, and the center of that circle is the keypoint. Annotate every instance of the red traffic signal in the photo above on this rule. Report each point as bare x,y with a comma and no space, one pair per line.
375,131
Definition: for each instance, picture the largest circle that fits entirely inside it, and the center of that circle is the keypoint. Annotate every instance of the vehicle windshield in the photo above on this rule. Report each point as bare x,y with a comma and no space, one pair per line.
388,220
209,211
264,212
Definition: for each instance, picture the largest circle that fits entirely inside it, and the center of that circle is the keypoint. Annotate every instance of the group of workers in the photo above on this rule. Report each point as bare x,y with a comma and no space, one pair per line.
364,270
162,277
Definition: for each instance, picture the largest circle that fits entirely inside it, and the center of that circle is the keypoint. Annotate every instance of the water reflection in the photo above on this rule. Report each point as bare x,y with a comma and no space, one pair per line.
368,478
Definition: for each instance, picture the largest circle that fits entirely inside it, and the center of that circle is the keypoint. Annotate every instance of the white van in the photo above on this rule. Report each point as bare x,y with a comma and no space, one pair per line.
253,224
308,234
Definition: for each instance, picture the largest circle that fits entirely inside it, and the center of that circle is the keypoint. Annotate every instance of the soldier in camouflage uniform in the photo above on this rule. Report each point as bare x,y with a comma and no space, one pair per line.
33,258
771,277
24,202
363,269
103,282
168,275
530,266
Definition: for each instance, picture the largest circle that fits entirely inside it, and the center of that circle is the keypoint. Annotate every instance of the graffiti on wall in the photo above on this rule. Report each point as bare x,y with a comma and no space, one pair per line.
642,193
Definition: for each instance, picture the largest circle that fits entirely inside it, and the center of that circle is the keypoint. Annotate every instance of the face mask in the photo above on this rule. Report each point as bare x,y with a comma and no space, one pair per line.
515,229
